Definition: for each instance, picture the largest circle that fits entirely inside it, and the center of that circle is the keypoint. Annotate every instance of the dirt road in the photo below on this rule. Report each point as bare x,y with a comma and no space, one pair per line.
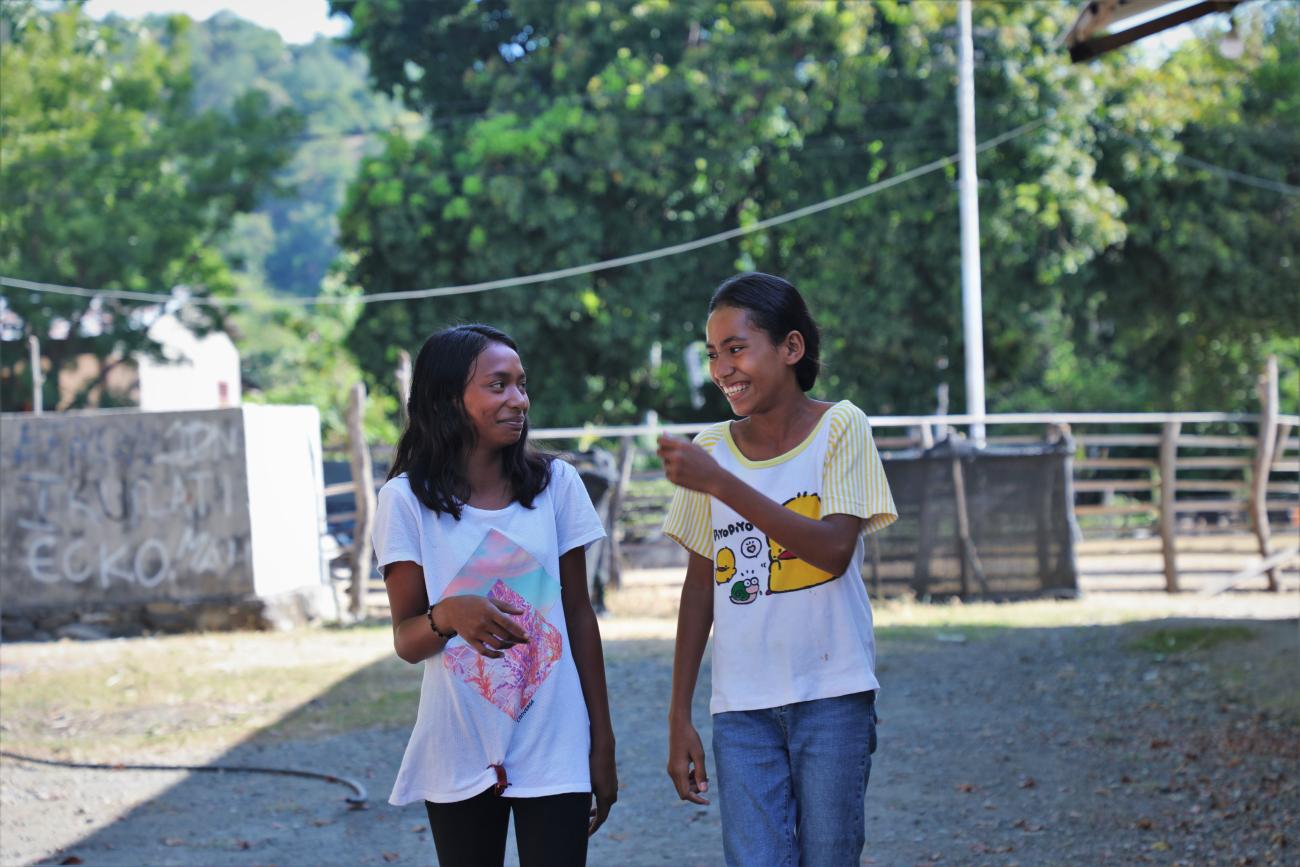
1159,741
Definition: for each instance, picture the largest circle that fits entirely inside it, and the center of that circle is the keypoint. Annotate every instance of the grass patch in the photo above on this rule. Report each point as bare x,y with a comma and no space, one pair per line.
198,693
1181,639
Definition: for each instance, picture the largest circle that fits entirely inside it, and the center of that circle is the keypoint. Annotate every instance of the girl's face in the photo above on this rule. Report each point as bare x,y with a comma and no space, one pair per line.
753,372
496,397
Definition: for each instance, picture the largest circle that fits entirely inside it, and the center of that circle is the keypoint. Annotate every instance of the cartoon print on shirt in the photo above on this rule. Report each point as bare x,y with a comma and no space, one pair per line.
724,569
500,569
744,592
786,572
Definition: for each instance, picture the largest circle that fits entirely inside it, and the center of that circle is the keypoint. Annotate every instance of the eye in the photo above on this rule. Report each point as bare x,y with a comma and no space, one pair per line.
523,385
712,356
735,349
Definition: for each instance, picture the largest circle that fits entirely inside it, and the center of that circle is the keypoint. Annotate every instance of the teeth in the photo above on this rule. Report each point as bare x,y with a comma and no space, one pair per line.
733,390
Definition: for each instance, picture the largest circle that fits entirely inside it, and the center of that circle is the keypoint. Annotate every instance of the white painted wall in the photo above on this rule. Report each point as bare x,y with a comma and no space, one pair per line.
199,373
286,495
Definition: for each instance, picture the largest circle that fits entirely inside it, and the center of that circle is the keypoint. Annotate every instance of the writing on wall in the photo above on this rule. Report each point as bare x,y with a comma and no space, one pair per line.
136,504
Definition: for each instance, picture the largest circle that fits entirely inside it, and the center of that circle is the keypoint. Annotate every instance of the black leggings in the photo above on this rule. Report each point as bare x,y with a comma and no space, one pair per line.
550,831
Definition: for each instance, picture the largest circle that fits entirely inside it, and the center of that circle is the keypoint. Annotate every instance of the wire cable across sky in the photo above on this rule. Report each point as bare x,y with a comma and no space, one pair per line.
542,277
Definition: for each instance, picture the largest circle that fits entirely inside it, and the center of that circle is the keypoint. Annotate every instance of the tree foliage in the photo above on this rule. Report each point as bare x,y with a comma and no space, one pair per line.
1203,288
325,82
568,132
288,245
111,179
594,132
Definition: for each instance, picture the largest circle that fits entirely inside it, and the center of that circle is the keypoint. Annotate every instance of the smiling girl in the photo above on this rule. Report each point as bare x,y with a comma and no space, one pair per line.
772,509
481,542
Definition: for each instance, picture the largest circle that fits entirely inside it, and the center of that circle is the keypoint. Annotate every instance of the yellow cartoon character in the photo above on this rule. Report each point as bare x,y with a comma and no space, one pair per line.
725,566
787,572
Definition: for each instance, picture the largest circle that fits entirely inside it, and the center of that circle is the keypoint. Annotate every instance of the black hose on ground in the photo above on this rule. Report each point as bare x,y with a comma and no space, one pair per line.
357,801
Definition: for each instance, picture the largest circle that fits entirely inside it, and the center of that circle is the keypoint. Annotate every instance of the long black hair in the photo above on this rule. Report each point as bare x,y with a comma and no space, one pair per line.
439,435
775,306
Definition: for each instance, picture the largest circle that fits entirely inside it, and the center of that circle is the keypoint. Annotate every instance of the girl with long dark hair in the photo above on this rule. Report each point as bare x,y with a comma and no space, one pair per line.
481,542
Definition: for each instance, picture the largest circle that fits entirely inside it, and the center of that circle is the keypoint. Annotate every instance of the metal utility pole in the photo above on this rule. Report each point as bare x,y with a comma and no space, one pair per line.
972,300
38,376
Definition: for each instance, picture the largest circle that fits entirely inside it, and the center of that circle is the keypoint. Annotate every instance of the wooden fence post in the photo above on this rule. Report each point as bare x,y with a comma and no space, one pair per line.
626,455
1168,494
970,560
925,531
1263,464
364,487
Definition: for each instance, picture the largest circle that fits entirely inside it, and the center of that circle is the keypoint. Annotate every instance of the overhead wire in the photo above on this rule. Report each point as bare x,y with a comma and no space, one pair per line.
1269,184
545,276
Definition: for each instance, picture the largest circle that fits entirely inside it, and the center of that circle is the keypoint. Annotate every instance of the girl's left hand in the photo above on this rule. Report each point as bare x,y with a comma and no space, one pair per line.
689,466
604,785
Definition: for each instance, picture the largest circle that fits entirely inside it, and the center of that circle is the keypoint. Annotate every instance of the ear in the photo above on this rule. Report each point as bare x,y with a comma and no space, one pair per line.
792,348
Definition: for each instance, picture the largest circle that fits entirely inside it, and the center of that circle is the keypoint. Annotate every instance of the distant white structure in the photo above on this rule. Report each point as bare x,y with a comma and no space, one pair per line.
197,373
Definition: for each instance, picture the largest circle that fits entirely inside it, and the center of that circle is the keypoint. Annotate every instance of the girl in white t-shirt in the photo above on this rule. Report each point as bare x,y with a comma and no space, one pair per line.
773,508
481,542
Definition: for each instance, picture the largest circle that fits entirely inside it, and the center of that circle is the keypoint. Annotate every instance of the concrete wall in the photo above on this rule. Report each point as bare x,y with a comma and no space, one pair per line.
122,510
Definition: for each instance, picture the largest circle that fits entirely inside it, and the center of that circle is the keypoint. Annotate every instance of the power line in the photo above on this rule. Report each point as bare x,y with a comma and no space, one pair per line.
557,274
1269,184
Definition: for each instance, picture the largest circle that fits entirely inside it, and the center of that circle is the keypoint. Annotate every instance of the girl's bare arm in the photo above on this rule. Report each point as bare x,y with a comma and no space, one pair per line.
584,638
827,543
686,764
483,623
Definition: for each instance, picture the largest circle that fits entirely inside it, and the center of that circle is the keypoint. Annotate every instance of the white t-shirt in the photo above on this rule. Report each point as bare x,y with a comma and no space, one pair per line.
785,631
524,711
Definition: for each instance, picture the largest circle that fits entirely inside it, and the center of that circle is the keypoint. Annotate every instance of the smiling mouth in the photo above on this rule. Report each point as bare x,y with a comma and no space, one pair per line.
731,392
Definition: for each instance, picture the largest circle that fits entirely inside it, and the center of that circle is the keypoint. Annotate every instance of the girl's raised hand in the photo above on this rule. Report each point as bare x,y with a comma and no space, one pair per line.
687,465
484,623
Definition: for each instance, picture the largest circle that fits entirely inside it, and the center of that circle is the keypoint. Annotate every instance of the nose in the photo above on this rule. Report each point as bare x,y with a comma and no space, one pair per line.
517,397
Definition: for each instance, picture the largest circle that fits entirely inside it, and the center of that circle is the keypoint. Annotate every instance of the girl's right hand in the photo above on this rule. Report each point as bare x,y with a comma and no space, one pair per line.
686,763
689,466
483,623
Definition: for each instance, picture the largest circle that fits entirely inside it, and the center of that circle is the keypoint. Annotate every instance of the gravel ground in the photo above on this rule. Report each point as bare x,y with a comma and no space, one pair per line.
1013,746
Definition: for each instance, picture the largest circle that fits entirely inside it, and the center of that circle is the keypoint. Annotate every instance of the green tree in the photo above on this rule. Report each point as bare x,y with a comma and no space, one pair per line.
326,83
568,132
1203,288
112,180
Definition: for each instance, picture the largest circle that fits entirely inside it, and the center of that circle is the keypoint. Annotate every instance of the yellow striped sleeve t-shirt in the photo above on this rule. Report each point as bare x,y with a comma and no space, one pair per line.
784,630
853,481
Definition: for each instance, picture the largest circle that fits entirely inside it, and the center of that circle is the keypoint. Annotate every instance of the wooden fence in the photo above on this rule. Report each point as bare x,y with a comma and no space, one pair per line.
1184,473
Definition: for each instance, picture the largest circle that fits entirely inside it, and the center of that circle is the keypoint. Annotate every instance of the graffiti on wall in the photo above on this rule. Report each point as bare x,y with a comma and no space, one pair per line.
121,501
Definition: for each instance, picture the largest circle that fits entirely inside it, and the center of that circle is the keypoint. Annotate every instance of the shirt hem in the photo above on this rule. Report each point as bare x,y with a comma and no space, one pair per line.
831,692
582,541
405,798
397,557
681,541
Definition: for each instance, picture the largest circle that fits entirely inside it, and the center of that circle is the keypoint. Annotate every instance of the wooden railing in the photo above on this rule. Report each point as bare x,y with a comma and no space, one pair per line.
1186,472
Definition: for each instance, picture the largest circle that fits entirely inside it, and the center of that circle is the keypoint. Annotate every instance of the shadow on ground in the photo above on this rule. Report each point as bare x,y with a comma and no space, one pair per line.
1166,741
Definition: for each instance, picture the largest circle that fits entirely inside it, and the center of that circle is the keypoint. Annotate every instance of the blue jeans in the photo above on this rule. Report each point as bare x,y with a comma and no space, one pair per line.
792,781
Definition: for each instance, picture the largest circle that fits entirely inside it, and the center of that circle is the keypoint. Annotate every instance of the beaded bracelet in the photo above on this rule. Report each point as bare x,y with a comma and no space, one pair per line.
446,636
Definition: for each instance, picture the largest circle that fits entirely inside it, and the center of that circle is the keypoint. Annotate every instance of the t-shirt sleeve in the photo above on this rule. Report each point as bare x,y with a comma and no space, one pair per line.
576,523
395,533
689,521
853,480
